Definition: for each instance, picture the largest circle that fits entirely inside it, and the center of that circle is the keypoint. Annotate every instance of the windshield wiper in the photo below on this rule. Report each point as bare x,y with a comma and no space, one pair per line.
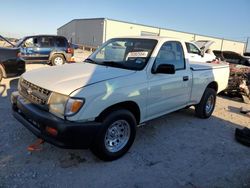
109,62
114,64
106,63
100,63
90,61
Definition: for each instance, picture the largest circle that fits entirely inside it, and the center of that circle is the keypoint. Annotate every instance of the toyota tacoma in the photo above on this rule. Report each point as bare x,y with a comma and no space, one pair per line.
98,104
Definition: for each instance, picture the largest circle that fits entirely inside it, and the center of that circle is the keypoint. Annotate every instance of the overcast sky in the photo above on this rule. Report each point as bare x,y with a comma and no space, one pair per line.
220,18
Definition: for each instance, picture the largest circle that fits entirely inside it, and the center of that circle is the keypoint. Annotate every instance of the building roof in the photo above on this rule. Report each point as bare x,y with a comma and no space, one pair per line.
149,26
150,37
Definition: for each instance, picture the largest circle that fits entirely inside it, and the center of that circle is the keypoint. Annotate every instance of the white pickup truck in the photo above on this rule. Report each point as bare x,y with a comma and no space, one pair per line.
98,104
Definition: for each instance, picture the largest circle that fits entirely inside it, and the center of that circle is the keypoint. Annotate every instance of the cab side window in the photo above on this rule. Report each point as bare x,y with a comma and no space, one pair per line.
171,53
46,42
192,48
60,42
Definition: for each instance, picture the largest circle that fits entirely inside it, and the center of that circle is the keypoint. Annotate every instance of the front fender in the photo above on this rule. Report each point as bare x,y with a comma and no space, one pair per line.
100,96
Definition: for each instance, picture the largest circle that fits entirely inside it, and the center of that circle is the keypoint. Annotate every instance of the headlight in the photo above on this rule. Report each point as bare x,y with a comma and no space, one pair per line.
63,105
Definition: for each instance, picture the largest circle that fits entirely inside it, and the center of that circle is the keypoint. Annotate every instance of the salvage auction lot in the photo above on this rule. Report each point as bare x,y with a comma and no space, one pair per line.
176,150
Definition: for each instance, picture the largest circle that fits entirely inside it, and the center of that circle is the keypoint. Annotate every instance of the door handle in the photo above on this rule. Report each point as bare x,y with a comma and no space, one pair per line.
185,78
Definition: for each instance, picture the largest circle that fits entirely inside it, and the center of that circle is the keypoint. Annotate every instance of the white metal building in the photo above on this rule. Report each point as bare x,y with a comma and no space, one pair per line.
94,31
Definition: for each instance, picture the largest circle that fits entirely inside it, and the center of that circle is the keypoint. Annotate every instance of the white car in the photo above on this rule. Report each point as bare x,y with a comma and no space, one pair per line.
198,51
98,104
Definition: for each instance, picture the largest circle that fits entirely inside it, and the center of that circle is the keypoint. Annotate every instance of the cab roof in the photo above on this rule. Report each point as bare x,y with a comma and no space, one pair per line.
159,38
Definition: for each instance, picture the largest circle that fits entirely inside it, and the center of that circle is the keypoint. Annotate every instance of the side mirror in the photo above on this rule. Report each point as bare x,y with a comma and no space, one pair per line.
164,69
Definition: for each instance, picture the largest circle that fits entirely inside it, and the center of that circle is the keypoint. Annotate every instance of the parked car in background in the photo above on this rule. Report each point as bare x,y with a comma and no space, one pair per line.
232,57
198,51
11,64
52,49
126,82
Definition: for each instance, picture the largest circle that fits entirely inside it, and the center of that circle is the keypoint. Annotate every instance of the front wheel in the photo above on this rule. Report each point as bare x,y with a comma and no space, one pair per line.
206,106
117,136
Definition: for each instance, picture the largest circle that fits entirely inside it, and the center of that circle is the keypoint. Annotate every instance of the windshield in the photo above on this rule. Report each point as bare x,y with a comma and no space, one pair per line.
127,53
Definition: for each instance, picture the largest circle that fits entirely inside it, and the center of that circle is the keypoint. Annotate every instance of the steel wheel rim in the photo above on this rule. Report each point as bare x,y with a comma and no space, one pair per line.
210,104
117,135
58,61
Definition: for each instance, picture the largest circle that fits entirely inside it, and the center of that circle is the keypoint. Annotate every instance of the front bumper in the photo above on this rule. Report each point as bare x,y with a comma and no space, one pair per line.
72,135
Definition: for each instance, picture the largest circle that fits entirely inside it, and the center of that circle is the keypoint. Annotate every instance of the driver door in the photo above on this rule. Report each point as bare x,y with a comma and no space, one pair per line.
167,92
30,49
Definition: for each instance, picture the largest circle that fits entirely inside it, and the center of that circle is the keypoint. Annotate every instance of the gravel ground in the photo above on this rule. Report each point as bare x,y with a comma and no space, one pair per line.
176,150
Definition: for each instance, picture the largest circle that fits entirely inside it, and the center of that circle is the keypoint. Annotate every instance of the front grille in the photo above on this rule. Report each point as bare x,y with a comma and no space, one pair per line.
34,93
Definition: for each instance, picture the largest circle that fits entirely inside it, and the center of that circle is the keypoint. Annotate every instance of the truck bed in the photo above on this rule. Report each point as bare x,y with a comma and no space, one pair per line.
202,75
207,66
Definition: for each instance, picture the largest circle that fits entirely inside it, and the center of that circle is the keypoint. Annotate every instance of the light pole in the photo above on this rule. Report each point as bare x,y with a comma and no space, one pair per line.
246,44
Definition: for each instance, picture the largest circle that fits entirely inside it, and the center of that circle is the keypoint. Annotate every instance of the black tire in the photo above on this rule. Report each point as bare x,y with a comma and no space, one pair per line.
56,59
243,136
203,109
100,148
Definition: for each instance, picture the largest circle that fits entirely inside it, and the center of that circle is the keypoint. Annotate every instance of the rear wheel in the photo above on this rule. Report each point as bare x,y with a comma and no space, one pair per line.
206,106
117,136
57,60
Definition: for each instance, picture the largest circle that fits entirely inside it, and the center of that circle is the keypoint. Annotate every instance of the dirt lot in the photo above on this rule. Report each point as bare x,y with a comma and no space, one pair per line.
177,150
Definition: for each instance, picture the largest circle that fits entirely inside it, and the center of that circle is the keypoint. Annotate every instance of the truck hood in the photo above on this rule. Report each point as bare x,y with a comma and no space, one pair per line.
67,78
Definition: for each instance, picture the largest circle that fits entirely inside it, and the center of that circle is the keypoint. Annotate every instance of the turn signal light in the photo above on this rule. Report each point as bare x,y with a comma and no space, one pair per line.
76,105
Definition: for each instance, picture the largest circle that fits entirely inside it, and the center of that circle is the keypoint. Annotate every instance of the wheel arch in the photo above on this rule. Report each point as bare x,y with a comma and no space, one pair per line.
213,85
128,105
56,53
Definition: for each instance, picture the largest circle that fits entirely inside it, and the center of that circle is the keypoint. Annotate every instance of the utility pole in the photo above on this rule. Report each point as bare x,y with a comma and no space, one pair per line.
222,41
246,44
